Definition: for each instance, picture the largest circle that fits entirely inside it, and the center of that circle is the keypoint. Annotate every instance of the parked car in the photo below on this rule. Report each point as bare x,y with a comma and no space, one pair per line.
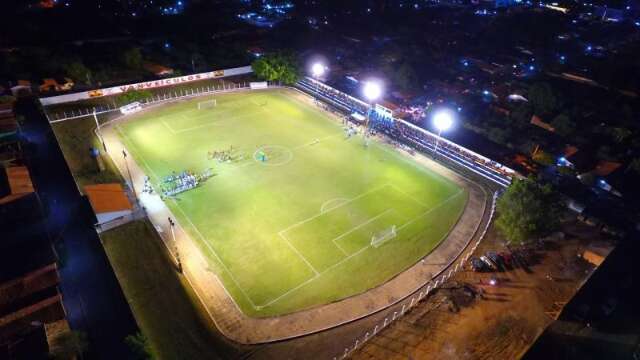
495,258
478,265
489,263
507,258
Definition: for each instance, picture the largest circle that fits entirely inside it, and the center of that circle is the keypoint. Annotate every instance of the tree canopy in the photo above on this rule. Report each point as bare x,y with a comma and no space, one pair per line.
276,67
132,58
78,72
543,99
528,210
139,346
132,96
564,125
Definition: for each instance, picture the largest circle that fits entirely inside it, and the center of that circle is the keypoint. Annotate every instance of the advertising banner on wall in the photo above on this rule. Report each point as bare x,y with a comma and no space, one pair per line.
145,85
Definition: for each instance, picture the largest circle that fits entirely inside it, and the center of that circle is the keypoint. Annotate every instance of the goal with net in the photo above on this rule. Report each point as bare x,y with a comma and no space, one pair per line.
383,236
207,104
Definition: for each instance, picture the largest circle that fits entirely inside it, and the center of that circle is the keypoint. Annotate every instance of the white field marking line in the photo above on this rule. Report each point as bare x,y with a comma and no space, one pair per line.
192,225
340,248
168,127
216,122
308,107
444,202
308,281
325,208
316,141
409,160
410,197
341,205
215,254
259,307
254,100
360,251
315,272
312,142
335,240
281,163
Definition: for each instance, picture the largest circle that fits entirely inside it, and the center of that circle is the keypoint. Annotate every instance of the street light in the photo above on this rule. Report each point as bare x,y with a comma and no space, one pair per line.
175,244
317,70
443,120
133,189
95,117
372,91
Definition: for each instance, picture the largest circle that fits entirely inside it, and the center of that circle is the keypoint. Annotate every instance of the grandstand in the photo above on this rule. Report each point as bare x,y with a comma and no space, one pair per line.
410,134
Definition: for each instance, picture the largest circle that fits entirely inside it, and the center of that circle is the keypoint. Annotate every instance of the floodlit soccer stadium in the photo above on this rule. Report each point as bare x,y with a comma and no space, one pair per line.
295,211
297,205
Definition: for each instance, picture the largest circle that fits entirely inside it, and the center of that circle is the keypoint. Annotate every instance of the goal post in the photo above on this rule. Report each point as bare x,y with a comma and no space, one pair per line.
207,104
383,236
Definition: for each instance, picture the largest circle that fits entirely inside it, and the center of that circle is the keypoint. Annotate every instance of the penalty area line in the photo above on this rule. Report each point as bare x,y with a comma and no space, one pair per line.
335,241
316,273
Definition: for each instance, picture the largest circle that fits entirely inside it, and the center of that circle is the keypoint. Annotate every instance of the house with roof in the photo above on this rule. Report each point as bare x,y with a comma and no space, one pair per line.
15,182
30,299
157,69
109,202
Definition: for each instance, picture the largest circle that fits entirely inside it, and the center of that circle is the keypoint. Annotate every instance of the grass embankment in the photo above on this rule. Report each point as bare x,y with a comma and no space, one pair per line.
166,309
76,137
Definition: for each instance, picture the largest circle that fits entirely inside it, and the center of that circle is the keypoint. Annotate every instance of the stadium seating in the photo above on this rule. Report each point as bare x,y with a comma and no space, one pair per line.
409,134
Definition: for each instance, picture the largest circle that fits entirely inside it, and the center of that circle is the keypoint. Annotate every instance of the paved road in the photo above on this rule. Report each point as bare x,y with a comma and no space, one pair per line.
92,296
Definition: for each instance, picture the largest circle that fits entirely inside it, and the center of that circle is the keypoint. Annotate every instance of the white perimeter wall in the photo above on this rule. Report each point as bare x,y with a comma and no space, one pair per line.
109,216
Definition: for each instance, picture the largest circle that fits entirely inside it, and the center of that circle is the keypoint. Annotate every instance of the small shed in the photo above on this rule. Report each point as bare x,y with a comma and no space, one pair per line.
108,201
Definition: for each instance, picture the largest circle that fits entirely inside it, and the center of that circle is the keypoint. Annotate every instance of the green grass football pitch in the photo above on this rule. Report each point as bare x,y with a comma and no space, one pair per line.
296,230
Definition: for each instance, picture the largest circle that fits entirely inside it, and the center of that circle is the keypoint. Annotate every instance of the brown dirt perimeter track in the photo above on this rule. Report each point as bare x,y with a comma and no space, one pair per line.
235,325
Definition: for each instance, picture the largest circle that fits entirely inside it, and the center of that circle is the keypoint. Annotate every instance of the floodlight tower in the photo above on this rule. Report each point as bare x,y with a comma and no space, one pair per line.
175,244
317,70
95,118
372,91
443,120
133,188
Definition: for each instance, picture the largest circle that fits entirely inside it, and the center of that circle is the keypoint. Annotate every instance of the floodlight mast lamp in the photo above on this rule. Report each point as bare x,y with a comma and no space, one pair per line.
317,70
372,91
442,120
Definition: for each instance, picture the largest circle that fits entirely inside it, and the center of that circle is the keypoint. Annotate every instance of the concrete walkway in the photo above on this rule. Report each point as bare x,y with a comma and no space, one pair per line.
234,324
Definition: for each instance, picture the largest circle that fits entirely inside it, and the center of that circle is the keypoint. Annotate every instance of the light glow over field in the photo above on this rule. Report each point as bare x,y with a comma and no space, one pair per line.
296,229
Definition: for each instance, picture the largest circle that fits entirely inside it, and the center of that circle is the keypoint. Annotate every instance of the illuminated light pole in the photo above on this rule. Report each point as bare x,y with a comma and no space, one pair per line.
372,91
126,164
95,117
175,245
443,120
317,70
